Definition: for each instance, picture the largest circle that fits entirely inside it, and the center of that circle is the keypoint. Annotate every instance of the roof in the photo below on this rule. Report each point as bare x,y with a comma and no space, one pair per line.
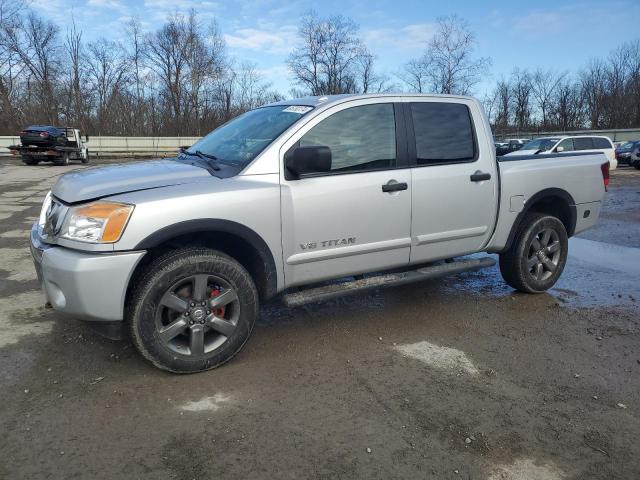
316,101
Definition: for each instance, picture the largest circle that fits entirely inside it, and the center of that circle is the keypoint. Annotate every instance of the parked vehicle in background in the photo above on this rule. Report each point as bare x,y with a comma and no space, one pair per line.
501,148
43,136
57,145
628,153
389,189
510,145
567,144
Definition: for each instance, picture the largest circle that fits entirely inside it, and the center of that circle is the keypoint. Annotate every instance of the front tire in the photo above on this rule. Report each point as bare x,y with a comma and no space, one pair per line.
537,256
192,310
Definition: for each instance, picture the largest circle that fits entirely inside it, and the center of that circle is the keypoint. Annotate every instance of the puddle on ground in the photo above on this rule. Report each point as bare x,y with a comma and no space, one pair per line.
596,274
606,255
526,469
207,404
441,358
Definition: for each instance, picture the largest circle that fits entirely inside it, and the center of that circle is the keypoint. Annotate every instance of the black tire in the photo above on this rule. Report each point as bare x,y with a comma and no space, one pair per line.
637,165
534,263
150,318
63,160
30,160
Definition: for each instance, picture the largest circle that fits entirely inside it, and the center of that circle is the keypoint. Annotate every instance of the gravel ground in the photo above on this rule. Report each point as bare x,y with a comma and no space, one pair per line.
457,378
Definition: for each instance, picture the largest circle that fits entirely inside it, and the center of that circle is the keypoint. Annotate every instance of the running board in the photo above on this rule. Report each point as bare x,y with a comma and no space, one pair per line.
335,290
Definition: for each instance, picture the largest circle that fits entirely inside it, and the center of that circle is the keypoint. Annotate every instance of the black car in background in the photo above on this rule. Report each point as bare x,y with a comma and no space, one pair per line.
629,153
44,136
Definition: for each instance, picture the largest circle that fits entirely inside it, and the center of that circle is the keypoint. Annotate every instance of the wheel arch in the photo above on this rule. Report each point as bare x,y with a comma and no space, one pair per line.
232,238
552,201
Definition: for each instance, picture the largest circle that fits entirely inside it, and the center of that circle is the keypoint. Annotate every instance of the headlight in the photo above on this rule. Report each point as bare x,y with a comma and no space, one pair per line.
45,207
97,222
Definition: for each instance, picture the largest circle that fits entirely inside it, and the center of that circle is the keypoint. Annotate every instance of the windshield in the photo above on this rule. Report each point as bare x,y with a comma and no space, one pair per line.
626,146
240,140
540,144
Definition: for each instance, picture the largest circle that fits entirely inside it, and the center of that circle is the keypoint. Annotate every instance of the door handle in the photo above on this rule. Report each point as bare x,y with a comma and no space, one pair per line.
394,187
479,176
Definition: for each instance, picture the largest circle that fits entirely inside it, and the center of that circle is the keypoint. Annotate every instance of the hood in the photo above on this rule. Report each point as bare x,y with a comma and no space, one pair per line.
104,181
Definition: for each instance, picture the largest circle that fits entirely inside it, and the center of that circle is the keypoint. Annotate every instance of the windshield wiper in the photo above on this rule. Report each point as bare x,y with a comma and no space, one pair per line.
204,156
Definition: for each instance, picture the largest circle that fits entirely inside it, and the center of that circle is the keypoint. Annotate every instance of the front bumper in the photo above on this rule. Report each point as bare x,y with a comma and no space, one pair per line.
90,286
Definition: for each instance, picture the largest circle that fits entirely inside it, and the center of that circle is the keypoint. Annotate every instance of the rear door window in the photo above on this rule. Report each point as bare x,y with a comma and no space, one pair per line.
443,133
583,143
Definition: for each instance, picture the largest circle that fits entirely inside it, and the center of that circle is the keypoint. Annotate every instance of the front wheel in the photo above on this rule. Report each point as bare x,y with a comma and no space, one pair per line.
537,256
192,310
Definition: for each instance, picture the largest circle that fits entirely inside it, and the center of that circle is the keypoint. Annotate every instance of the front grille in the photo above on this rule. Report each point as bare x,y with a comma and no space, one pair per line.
54,218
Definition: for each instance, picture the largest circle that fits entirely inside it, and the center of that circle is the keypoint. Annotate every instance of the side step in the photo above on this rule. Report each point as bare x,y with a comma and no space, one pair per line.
335,290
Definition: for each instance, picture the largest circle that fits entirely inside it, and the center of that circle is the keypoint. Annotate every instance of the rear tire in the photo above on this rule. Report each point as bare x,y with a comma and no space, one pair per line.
192,310
537,256
30,161
637,165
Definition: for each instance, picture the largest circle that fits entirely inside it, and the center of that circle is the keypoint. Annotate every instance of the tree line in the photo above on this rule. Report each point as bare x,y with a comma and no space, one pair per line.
176,80
180,79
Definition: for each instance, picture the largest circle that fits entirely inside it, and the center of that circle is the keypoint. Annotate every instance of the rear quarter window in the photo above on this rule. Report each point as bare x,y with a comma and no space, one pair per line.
443,133
599,142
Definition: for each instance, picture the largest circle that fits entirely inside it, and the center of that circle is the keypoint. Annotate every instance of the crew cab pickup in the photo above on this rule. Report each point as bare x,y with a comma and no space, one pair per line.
304,200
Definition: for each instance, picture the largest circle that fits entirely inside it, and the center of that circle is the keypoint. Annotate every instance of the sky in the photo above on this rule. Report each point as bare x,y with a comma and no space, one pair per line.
558,35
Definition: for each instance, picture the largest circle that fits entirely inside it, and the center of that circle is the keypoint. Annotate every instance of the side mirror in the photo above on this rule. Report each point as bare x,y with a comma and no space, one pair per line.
559,149
308,160
86,138
183,148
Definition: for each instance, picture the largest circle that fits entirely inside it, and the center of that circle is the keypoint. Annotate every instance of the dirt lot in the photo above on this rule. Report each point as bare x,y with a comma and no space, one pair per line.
454,379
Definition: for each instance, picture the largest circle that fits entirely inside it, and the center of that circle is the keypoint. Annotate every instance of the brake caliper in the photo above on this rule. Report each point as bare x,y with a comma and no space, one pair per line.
220,311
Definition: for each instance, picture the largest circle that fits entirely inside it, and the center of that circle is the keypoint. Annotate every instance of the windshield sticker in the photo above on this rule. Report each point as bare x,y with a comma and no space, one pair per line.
297,109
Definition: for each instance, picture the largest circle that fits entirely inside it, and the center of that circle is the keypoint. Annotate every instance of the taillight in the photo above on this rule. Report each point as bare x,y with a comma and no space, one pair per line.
44,134
605,175
22,132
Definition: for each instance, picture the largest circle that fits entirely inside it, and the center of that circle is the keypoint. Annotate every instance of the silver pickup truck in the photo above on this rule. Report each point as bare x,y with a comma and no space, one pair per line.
304,200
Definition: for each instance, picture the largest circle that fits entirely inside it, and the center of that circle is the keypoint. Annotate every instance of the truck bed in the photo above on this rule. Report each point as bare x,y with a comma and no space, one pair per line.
576,177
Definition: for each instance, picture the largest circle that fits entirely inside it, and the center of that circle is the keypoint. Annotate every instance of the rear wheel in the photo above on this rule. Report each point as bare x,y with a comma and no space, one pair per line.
537,256
27,160
193,310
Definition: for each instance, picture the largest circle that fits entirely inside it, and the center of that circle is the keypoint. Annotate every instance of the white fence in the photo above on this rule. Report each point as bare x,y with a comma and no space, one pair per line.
122,146
164,146
616,135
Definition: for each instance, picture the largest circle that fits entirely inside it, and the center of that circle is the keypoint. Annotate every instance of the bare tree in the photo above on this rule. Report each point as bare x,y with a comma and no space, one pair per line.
331,57
34,42
108,71
75,108
448,64
544,85
567,106
503,104
521,88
